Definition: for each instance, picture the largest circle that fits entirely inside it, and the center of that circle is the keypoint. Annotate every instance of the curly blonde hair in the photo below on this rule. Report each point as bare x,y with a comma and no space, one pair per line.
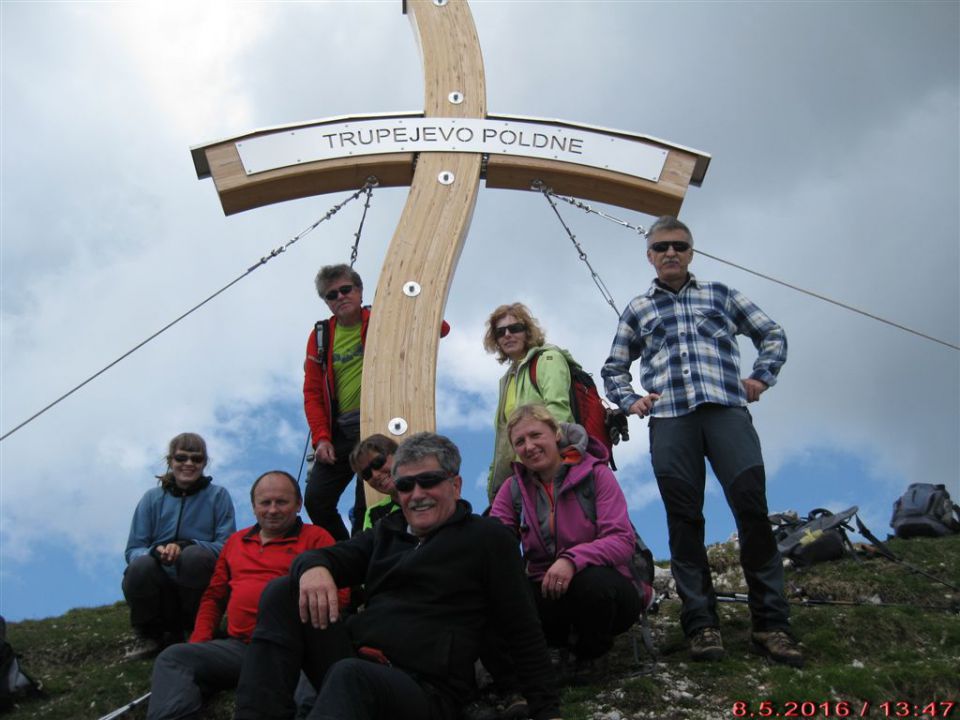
535,334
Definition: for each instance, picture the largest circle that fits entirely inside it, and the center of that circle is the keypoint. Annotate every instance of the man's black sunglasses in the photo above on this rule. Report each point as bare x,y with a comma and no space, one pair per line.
514,328
378,462
333,294
426,480
677,245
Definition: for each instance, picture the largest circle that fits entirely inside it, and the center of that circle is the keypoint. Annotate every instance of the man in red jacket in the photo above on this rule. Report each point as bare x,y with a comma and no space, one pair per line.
249,560
332,376
332,380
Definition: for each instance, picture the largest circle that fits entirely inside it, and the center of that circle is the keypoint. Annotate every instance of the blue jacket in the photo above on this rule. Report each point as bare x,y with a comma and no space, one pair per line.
204,517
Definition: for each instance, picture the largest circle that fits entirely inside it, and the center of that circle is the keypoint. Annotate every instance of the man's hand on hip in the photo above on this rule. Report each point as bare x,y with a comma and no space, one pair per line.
754,388
644,405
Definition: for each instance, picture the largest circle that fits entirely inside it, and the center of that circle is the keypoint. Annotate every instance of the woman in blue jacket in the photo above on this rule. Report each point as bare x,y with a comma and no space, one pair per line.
177,532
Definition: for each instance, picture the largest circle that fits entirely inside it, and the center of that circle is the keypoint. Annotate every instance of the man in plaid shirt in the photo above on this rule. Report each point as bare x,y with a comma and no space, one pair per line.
684,331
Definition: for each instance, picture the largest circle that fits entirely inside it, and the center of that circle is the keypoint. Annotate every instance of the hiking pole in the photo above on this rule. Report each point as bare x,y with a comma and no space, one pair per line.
888,553
807,602
955,608
125,709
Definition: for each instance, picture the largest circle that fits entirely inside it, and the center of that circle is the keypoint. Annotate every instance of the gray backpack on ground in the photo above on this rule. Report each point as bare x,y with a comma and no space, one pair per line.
15,684
925,510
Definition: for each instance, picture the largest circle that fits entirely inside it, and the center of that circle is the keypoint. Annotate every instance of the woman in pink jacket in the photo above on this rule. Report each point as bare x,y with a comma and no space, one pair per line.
571,516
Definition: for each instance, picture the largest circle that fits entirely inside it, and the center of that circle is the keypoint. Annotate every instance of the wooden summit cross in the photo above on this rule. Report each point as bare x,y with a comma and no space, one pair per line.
442,154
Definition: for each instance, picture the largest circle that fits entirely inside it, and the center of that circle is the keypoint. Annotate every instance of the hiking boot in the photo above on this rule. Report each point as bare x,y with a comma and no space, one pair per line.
779,646
558,659
588,671
515,707
706,645
143,648
479,710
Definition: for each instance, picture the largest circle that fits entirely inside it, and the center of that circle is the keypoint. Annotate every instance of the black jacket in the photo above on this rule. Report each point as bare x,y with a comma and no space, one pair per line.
429,600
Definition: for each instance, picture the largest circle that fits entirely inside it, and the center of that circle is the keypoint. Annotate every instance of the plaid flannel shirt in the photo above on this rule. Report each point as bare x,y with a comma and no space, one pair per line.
687,346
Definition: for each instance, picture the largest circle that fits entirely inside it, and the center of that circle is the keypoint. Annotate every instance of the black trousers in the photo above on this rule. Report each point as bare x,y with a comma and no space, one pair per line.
167,602
599,605
351,688
725,436
326,484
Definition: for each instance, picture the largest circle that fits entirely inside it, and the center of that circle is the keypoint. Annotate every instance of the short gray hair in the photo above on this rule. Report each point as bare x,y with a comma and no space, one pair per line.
667,222
329,273
425,444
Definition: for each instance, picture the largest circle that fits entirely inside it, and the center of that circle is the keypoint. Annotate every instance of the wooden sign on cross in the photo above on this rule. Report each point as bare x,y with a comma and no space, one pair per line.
442,154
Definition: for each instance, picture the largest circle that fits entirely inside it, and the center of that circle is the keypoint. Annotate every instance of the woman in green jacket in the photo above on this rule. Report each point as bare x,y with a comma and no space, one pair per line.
517,338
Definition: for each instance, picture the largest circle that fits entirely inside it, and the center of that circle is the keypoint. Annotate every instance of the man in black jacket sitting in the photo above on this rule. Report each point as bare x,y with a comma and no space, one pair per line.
437,577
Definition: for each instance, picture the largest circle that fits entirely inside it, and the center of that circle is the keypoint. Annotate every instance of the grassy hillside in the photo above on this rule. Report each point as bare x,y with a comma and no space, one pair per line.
858,654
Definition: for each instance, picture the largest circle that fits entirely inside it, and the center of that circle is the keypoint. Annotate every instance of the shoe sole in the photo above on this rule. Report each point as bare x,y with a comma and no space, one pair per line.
517,711
710,655
781,660
141,655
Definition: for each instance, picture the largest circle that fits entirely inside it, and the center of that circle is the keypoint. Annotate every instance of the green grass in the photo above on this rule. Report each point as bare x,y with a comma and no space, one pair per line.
863,653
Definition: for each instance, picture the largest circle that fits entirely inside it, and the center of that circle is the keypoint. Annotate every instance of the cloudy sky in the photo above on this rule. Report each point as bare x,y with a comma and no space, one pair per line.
834,134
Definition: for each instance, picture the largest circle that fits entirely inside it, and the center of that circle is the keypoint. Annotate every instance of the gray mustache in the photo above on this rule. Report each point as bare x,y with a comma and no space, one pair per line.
420,504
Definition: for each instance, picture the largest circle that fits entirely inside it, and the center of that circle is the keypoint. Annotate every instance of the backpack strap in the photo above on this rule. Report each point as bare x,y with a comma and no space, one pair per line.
532,369
516,499
586,494
322,331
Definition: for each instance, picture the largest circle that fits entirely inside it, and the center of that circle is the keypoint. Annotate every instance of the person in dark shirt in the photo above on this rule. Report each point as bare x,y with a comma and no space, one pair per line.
436,577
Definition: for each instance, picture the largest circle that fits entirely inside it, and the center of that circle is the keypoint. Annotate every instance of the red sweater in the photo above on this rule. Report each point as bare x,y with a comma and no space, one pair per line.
244,568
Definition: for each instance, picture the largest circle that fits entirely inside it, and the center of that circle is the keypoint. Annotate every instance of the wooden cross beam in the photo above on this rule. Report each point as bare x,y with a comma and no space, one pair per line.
442,154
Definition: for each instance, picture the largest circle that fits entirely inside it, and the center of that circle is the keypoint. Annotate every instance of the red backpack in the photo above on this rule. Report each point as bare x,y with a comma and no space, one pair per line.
588,409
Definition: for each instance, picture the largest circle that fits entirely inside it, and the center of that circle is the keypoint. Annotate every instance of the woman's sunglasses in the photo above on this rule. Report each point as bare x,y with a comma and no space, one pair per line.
512,328
426,480
378,462
336,292
195,458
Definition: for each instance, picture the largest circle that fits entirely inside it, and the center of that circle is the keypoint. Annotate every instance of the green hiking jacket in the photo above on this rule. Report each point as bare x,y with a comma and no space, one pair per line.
553,379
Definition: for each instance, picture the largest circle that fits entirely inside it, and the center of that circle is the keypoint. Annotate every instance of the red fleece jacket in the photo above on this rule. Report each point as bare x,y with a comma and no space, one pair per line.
244,568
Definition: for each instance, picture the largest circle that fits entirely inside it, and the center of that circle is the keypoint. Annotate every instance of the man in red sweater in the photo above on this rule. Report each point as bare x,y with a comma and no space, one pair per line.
250,559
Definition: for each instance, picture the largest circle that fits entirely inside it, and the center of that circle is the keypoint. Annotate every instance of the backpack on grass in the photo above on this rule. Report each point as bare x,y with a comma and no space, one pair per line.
819,537
925,510
15,684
